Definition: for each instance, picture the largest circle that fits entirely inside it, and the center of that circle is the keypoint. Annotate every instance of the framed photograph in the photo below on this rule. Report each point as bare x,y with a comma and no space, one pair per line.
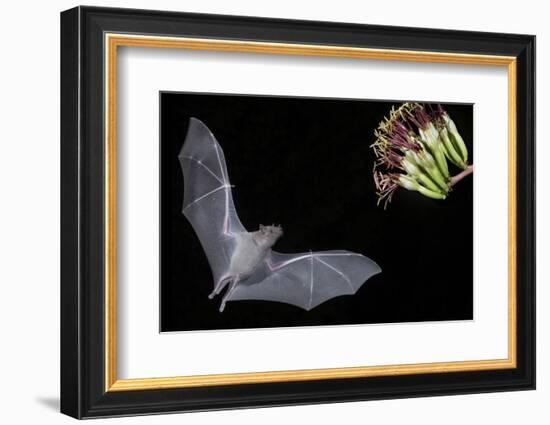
261,212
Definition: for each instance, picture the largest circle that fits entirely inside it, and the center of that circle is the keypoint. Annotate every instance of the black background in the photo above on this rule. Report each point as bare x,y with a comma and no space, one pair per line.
306,163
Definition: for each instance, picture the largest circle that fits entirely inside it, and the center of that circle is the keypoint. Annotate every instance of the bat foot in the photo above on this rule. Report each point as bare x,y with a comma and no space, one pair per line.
222,307
219,286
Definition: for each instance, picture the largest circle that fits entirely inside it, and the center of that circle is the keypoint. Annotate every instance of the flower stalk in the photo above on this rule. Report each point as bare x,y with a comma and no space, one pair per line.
413,147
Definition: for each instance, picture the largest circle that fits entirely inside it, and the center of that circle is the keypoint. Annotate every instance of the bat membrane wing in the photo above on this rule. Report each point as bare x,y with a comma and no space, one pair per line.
307,279
208,202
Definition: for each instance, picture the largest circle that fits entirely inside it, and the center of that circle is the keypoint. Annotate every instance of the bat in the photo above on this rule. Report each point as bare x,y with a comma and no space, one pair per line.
243,261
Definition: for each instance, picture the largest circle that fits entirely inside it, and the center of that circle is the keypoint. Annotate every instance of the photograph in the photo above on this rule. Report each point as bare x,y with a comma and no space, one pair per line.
303,211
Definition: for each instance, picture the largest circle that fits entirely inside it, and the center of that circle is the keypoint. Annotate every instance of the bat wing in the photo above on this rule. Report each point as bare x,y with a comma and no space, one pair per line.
207,201
307,279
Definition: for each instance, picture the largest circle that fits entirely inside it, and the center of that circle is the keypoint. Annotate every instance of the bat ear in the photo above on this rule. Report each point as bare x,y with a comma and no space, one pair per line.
262,227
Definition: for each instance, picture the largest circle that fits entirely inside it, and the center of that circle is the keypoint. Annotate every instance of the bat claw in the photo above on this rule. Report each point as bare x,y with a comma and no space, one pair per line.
222,307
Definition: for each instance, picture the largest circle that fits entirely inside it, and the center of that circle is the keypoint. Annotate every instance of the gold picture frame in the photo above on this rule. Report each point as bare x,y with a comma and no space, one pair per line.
91,40
114,41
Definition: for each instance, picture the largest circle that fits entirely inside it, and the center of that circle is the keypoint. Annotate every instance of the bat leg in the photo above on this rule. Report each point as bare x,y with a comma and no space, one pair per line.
219,286
228,293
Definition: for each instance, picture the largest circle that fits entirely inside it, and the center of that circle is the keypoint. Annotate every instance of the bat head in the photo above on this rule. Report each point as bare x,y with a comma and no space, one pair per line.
270,234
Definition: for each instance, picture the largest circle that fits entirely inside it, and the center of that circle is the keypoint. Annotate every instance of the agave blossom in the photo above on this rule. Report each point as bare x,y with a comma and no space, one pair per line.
413,147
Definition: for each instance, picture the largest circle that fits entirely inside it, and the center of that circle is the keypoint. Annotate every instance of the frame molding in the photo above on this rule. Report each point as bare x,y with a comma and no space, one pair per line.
90,39
113,41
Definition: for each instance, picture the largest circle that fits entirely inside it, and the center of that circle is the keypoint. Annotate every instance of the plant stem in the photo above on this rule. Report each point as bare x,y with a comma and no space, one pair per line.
455,179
